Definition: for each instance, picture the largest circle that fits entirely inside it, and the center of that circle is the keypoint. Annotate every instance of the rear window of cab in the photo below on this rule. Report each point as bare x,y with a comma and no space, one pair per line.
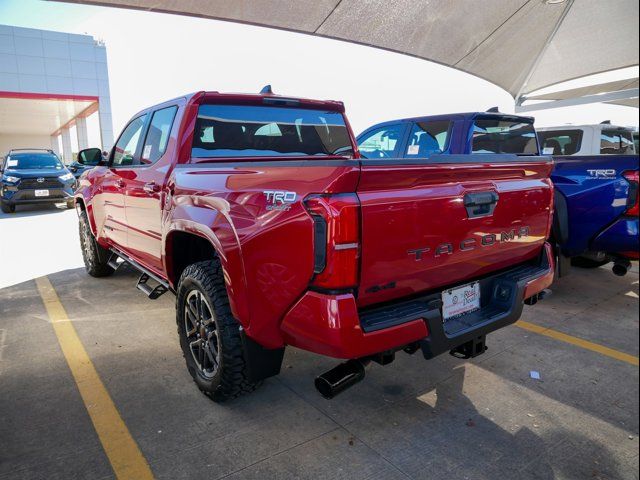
560,142
504,135
267,131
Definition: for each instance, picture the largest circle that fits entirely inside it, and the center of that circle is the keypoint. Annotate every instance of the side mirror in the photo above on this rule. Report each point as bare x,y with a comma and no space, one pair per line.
90,157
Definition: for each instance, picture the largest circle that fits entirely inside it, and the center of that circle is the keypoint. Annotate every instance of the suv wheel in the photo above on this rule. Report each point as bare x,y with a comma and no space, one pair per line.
209,335
94,255
7,207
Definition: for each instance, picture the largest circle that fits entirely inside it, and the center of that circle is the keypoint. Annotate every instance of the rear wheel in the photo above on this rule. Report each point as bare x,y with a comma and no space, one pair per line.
209,335
584,262
7,208
94,256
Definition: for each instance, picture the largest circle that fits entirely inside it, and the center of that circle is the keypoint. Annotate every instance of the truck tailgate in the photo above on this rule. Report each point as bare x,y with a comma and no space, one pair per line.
431,225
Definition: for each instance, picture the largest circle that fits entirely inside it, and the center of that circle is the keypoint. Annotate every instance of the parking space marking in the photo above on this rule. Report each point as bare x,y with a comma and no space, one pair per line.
3,343
594,347
122,450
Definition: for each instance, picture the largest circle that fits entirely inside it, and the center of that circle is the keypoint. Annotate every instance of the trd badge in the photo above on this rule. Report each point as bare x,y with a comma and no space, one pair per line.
279,199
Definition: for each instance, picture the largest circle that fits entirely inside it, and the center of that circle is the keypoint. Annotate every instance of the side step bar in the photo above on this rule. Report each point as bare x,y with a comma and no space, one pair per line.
145,275
113,261
149,291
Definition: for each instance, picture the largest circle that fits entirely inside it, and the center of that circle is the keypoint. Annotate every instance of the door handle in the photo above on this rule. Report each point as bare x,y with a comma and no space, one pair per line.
151,187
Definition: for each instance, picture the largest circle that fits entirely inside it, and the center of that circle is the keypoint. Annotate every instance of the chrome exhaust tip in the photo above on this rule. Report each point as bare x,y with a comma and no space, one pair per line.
339,378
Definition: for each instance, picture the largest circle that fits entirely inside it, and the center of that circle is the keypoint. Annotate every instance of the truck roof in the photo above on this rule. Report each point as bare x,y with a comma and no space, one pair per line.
454,116
253,98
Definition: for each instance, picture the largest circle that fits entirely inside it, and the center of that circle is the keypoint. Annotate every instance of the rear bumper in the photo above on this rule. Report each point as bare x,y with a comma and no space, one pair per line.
621,238
331,325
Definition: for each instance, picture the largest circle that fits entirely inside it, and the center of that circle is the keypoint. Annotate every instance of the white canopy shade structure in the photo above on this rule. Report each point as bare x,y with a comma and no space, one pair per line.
519,45
620,92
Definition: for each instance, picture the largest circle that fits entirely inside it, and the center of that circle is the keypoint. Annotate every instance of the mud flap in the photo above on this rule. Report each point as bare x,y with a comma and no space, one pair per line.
261,362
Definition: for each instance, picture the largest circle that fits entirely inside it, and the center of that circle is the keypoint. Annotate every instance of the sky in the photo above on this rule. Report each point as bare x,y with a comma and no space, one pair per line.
154,57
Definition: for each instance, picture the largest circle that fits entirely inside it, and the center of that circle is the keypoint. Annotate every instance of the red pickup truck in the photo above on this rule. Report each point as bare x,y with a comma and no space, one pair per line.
262,217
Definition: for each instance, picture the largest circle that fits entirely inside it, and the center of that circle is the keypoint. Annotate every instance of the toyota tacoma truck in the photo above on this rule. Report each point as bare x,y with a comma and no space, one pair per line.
260,214
596,180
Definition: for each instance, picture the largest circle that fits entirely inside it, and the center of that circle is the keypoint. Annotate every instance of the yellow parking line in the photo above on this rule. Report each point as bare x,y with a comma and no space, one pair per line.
122,450
594,347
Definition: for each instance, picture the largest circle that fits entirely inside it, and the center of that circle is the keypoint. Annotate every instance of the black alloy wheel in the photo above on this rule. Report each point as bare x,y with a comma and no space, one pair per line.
201,333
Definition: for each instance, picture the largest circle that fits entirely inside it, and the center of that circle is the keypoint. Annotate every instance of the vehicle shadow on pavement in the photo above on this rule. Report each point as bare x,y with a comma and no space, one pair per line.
463,429
35,210
472,423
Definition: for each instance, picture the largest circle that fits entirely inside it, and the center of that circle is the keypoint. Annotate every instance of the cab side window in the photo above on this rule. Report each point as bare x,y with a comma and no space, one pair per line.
125,149
381,142
157,138
427,138
616,142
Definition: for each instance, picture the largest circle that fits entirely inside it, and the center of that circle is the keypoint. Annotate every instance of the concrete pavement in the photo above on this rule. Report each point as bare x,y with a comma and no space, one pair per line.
446,418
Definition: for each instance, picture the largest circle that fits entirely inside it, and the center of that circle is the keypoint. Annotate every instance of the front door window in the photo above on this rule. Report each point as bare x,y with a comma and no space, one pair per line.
125,149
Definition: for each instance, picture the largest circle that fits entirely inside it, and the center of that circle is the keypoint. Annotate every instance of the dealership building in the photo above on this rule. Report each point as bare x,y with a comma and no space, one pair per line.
50,84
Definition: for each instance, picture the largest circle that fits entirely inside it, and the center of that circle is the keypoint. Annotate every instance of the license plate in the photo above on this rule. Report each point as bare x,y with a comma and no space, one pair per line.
42,193
461,300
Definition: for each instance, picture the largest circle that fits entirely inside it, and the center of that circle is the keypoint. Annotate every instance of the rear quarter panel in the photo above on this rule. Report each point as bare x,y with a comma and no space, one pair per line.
267,254
595,192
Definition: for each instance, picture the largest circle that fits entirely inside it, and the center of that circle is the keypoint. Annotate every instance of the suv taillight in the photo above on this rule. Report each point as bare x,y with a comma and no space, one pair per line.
633,201
336,240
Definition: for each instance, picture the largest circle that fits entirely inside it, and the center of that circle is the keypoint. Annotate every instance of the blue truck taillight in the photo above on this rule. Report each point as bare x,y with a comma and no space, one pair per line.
633,200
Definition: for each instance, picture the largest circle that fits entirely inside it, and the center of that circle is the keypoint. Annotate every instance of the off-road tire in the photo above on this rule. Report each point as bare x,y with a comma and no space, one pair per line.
7,208
230,379
583,262
94,255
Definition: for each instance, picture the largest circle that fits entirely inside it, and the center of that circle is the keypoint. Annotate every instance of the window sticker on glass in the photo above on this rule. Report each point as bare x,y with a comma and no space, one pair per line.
413,150
547,150
12,163
147,152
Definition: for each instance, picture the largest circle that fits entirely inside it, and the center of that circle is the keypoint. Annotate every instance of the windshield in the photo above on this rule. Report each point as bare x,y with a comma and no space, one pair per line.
263,131
33,161
504,135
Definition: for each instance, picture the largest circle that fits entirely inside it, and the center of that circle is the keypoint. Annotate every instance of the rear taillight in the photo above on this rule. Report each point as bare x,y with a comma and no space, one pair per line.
633,200
336,240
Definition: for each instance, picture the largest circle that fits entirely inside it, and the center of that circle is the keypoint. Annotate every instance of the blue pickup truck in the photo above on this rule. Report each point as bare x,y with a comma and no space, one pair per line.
596,200
596,180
